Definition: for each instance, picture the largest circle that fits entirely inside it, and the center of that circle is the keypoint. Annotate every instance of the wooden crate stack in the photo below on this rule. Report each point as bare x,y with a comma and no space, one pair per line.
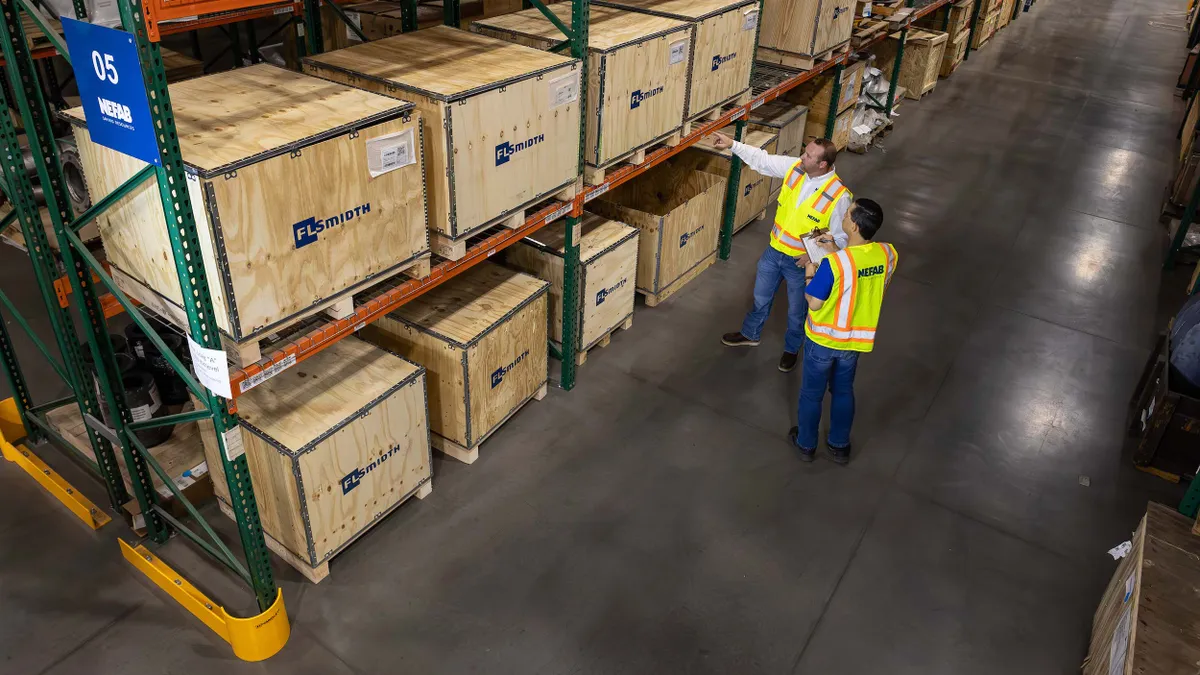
802,33
754,189
816,95
502,131
1006,13
922,60
637,91
989,18
958,27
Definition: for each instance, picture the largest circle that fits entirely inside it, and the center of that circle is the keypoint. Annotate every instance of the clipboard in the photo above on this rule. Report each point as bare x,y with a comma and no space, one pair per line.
816,252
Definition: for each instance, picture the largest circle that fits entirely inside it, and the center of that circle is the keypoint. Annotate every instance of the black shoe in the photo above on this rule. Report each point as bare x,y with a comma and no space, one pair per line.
805,455
787,362
840,456
738,340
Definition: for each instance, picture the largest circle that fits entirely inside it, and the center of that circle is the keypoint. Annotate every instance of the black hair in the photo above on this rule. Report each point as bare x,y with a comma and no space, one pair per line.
867,214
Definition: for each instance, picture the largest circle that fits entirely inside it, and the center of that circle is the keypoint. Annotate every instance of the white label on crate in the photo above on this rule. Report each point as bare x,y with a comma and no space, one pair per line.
678,52
212,368
596,193
564,90
750,22
1119,646
1129,583
866,9
1120,550
267,373
233,443
390,152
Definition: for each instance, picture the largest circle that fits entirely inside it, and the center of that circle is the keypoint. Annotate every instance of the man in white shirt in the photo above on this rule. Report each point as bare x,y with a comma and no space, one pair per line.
812,197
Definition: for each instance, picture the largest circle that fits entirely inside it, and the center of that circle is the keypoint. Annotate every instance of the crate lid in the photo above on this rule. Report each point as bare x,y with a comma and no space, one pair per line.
608,27
599,235
470,305
442,62
777,113
688,10
250,114
310,401
755,137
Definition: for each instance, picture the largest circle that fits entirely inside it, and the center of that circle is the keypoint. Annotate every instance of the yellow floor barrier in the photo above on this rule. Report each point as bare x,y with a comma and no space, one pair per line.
13,429
253,639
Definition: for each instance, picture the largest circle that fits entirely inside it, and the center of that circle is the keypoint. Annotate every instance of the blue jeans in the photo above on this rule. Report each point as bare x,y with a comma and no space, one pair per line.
833,368
773,268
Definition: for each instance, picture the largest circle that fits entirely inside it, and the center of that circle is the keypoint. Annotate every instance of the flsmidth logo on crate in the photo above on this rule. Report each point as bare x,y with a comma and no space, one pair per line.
718,59
636,98
355,477
506,150
603,293
750,187
498,376
688,236
308,230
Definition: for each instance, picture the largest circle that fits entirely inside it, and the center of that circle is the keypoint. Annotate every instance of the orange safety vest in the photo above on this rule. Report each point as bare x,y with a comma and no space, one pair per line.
793,221
848,319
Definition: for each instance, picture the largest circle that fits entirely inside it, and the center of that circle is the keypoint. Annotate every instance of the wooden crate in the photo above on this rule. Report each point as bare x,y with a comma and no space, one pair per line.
1006,13
960,18
290,220
502,121
803,28
921,63
608,257
333,445
841,128
1146,621
952,57
383,18
482,337
678,211
816,92
754,191
985,28
180,67
722,46
787,121
637,76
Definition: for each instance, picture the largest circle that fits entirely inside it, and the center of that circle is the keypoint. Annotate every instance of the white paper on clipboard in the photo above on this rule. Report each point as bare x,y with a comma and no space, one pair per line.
815,250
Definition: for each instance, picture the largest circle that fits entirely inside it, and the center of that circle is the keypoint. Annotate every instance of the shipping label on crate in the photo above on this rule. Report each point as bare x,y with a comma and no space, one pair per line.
564,90
679,50
390,152
750,20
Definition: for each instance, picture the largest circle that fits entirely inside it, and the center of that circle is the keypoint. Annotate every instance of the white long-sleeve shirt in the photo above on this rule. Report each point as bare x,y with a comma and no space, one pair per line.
777,166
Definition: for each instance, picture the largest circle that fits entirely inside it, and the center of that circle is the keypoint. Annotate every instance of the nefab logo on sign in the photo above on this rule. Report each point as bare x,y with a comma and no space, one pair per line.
718,59
603,293
636,98
307,231
498,376
506,150
352,479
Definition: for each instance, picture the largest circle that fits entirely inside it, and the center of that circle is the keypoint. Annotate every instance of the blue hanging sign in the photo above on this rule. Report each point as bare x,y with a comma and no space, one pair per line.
109,77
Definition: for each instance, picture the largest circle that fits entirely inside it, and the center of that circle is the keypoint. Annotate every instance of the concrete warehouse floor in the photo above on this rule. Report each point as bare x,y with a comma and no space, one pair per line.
655,521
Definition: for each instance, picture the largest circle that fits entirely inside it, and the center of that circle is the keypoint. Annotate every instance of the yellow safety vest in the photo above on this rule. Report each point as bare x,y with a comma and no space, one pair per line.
848,319
793,221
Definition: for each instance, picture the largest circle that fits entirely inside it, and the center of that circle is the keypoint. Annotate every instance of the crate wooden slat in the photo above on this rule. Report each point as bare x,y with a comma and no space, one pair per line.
288,215
805,28
333,446
960,17
956,49
678,211
922,59
722,47
754,190
482,338
637,73
502,120
608,259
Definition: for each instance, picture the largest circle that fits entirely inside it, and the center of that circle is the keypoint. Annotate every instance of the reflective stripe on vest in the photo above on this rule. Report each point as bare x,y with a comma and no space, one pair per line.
794,220
848,319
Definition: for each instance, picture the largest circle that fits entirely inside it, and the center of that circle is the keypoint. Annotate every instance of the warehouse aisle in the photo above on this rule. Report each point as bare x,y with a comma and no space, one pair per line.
655,521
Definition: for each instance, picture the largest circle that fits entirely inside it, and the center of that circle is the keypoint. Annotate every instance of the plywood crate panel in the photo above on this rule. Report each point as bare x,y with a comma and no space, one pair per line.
960,17
786,120
985,28
722,47
502,121
482,337
1006,13
841,129
921,63
608,258
678,211
333,445
816,92
754,190
1148,616
806,28
637,73
956,49
383,18
287,211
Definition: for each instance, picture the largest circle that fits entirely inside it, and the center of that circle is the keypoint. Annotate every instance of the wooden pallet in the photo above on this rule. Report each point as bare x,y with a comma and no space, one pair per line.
653,299
471,454
700,119
866,30
594,175
581,357
801,61
250,351
455,249
320,572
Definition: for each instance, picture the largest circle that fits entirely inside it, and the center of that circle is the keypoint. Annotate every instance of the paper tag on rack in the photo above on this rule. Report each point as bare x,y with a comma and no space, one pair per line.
233,443
390,152
267,373
212,368
558,213
678,52
577,232
597,192
750,21
564,90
